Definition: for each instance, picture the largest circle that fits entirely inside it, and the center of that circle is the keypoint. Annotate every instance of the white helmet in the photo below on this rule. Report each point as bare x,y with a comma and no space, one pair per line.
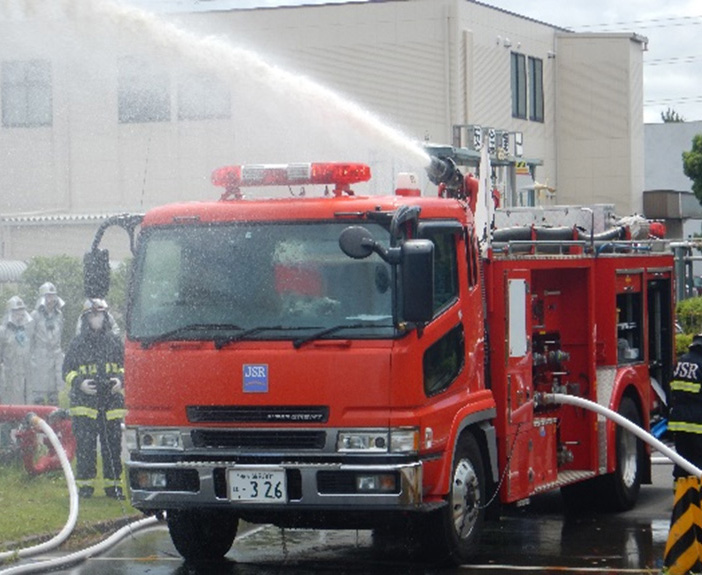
94,304
14,305
47,288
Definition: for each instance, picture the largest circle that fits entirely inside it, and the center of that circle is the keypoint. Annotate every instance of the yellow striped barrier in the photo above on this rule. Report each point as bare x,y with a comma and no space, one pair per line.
683,549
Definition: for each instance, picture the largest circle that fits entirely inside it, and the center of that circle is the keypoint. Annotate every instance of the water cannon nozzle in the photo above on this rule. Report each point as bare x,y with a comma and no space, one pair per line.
444,171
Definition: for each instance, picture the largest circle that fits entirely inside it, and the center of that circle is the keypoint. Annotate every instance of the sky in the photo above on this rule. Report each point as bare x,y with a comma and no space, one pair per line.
672,63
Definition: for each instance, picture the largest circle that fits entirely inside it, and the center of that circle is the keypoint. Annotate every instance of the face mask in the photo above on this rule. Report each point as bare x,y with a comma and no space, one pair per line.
95,321
17,317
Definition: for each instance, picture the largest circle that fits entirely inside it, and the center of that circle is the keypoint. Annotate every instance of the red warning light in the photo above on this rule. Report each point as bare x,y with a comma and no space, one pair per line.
341,175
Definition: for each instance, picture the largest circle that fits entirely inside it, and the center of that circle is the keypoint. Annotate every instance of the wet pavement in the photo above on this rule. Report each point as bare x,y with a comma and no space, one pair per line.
534,539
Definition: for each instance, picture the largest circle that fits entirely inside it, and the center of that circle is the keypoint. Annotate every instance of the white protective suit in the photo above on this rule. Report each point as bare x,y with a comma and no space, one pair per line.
15,353
47,355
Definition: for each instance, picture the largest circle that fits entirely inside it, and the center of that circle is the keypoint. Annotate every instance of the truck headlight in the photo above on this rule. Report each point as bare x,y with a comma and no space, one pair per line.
357,440
395,440
159,439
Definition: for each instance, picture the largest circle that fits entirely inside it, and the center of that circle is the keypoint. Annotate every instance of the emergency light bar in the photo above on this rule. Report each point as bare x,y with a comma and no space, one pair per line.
340,174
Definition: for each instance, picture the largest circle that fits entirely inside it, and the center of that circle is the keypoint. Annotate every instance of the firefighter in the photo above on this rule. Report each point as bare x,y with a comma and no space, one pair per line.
93,369
47,355
15,349
685,418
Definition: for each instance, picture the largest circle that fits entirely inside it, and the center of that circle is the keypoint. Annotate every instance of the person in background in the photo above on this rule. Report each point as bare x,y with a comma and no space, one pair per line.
15,353
47,355
685,418
93,370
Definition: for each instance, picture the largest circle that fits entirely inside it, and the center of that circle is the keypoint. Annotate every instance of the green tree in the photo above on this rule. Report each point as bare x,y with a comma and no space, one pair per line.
692,165
671,116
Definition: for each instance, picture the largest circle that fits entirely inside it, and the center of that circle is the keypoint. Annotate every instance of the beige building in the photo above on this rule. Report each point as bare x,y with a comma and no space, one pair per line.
107,110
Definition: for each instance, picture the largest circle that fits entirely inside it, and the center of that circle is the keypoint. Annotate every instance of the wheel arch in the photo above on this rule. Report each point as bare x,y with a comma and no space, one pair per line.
480,425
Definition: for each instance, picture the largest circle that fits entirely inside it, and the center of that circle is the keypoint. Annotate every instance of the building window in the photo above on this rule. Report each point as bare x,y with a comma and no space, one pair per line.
143,93
26,93
519,85
202,98
536,89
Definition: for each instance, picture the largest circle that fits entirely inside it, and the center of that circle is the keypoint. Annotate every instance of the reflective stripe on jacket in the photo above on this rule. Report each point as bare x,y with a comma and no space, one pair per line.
686,394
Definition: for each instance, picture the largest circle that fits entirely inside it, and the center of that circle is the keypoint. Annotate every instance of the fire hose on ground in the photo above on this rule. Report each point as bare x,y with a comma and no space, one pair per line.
74,558
37,422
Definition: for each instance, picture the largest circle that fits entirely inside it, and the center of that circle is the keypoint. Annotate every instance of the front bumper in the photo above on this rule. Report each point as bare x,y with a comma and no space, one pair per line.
310,486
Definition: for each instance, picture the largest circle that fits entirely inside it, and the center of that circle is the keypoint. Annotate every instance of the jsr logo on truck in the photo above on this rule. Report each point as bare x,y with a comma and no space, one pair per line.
255,378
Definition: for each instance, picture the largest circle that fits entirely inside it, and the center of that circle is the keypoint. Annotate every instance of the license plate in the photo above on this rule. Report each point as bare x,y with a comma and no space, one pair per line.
257,485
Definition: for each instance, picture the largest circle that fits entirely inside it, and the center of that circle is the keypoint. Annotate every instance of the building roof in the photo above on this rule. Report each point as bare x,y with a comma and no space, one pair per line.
175,6
11,270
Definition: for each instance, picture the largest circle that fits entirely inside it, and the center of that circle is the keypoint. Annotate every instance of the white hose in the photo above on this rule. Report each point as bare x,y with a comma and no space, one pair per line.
547,398
59,538
80,556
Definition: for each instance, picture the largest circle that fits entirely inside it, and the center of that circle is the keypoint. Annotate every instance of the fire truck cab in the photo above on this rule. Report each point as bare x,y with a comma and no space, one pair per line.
348,361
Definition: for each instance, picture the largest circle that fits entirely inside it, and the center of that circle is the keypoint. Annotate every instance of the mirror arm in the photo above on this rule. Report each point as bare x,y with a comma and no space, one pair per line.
127,222
390,255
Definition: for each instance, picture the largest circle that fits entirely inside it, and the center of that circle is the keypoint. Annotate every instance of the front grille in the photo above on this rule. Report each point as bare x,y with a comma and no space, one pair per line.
257,414
264,440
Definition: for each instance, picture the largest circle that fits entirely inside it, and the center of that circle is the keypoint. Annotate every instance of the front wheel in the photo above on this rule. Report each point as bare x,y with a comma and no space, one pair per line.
454,531
202,535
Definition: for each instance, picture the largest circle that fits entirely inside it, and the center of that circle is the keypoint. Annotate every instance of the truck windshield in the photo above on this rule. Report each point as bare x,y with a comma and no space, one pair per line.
263,280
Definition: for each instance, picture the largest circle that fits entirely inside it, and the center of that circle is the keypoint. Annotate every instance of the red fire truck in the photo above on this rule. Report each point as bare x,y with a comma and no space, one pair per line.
348,361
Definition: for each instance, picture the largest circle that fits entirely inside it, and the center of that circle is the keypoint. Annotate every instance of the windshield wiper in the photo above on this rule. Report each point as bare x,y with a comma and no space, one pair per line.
221,342
149,341
300,341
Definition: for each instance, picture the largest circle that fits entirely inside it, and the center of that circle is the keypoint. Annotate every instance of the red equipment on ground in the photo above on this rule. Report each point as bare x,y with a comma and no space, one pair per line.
40,457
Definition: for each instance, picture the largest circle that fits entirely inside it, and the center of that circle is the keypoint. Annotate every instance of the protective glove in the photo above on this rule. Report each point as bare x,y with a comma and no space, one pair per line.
117,386
88,386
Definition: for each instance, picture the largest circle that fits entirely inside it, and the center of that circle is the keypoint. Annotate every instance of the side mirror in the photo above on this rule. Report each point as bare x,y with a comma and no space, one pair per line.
416,261
96,273
356,242
417,265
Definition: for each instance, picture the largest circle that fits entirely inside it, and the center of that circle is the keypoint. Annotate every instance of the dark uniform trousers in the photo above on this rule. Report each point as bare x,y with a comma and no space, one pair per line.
97,416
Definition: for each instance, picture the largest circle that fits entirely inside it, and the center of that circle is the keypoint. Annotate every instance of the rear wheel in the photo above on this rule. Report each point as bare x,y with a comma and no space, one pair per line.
454,531
621,488
202,535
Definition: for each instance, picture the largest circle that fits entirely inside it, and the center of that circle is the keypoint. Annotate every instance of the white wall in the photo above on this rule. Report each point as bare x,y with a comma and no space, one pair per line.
351,82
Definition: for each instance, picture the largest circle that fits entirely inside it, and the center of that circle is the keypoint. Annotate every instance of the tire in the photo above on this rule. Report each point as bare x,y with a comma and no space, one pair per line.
621,488
453,532
202,535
